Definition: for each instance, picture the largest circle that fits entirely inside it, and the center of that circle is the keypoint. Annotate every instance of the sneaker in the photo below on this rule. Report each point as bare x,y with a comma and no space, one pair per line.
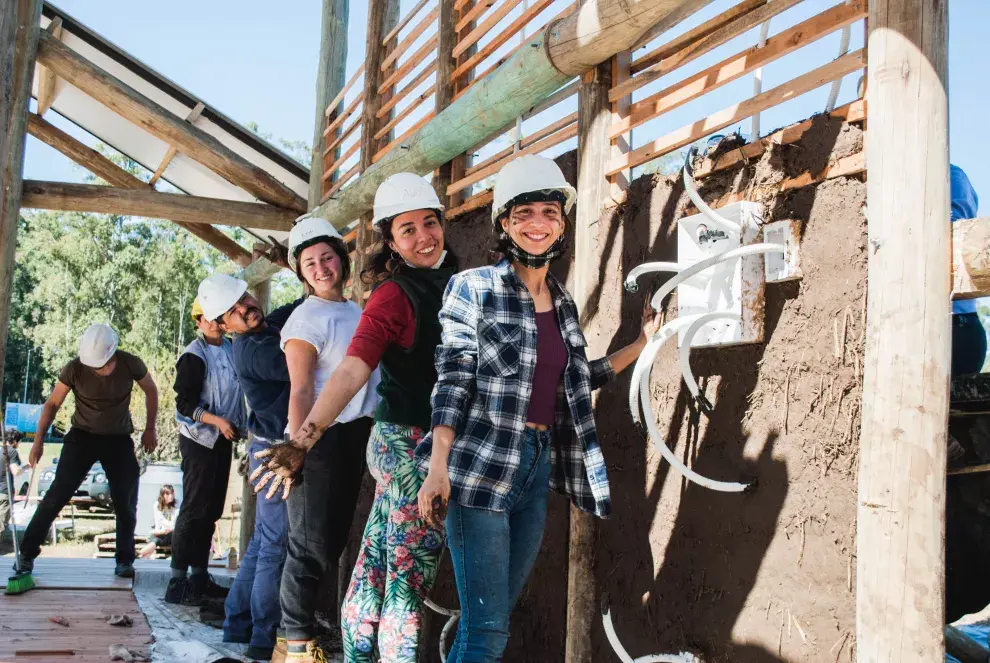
175,589
308,653
124,571
27,566
256,653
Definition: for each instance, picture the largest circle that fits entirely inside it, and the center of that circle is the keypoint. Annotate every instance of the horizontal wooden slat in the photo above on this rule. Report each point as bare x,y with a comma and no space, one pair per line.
852,112
409,132
414,61
421,27
485,26
472,14
500,39
340,95
404,92
351,151
428,93
698,48
696,130
458,4
525,142
739,65
474,202
403,22
557,138
341,182
339,120
557,97
692,35
356,124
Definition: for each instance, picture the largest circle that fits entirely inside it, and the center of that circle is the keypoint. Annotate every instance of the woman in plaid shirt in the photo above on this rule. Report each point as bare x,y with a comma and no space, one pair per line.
512,412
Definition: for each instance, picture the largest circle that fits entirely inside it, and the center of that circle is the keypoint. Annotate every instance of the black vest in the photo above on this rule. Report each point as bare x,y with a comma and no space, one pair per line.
409,375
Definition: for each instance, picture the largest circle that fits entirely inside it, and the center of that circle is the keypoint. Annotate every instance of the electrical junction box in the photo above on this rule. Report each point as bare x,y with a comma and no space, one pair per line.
735,286
784,266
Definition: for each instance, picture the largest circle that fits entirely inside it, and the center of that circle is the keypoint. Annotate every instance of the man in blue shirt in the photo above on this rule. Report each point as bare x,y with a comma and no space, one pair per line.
969,339
252,608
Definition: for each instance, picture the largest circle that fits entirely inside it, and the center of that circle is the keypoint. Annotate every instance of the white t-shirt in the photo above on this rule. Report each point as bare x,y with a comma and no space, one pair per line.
328,327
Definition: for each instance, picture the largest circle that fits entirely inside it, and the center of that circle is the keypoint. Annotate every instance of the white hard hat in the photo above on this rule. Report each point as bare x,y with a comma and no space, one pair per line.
218,293
403,192
308,230
97,345
528,174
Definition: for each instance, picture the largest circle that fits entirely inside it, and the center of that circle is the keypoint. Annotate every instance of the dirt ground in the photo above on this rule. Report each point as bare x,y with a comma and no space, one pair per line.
767,576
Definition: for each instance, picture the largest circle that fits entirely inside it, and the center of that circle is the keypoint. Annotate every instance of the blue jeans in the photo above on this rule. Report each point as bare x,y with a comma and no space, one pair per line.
493,553
252,607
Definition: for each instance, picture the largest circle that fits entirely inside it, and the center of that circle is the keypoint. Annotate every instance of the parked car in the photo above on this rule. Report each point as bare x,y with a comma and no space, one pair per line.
93,490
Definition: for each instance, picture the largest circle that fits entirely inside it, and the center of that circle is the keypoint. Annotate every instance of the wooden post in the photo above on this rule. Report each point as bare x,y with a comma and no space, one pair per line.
901,506
19,28
329,81
453,170
261,291
383,15
594,117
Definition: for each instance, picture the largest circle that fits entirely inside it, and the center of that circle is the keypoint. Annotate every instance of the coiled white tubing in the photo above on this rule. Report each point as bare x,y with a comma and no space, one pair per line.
613,639
445,633
684,358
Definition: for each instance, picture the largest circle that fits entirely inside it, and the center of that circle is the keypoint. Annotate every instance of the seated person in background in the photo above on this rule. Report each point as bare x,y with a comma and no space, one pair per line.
166,511
969,339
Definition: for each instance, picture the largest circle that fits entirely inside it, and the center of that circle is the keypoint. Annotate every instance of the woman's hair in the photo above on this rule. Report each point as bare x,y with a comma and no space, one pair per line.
385,262
500,248
162,504
338,246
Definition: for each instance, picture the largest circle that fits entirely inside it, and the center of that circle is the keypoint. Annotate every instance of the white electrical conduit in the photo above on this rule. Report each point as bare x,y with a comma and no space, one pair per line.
714,217
646,268
454,615
833,95
758,80
684,357
620,651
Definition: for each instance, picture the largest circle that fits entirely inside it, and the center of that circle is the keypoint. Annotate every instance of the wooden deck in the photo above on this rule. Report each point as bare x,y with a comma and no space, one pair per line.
84,592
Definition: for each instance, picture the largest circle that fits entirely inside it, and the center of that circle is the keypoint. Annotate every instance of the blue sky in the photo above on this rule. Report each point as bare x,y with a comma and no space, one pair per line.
256,61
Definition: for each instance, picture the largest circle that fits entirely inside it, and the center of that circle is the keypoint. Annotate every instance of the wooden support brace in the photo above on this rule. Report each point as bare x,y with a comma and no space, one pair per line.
170,154
46,79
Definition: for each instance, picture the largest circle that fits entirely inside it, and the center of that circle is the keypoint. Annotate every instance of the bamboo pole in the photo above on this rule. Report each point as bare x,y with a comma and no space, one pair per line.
330,80
19,28
900,603
594,117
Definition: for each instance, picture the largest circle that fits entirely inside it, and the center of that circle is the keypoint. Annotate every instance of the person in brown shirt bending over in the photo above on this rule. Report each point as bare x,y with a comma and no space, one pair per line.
101,378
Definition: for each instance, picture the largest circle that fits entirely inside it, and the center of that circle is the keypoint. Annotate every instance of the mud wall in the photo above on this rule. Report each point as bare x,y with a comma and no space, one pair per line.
765,576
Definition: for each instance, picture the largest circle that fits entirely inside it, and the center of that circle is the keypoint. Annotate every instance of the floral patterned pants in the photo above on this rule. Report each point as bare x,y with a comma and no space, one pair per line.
398,560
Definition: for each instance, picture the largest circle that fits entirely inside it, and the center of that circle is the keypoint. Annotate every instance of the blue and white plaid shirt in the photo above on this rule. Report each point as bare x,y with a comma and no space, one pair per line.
485,364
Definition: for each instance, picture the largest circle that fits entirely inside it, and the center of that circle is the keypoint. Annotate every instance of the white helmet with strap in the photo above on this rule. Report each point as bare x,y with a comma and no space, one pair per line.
309,230
218,293
529,174
97,345
403,192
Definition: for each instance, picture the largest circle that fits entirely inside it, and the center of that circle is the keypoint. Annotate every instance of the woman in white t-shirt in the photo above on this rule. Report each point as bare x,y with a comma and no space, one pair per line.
315,340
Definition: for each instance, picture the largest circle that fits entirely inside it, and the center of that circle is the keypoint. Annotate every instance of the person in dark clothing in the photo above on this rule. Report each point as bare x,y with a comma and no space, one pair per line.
210,413
101,378
969,338
14,469
252,606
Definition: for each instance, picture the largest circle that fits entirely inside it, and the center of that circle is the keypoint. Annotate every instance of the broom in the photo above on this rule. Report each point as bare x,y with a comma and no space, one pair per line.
20,582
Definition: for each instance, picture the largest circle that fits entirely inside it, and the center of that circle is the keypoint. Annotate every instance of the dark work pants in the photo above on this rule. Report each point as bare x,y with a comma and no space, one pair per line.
80,450
320,511
969,344
205,473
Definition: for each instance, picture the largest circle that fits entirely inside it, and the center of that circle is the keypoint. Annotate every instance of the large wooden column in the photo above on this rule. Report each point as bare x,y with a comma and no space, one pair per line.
330,79
901,507
383,15
594,117
19,27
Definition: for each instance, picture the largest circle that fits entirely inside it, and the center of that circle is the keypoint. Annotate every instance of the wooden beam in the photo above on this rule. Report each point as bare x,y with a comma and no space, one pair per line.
694,34
394,32
535,72
490,22
410,39
46,79
594,147
142,111
19,28
110,172
900,525
444,87
153,205
171,152
717,121
332,106
739,65
971,258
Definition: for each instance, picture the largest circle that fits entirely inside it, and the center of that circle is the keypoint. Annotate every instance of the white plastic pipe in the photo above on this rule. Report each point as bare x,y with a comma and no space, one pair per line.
714,217
454,615
758,80
620,651
647,268
833,94
684,357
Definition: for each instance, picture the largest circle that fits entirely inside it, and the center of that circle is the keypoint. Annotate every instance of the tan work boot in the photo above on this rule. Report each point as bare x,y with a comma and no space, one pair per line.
280,651
313,654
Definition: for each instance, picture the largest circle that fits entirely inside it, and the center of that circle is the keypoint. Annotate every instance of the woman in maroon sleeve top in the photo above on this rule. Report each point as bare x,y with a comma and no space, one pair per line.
399,331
